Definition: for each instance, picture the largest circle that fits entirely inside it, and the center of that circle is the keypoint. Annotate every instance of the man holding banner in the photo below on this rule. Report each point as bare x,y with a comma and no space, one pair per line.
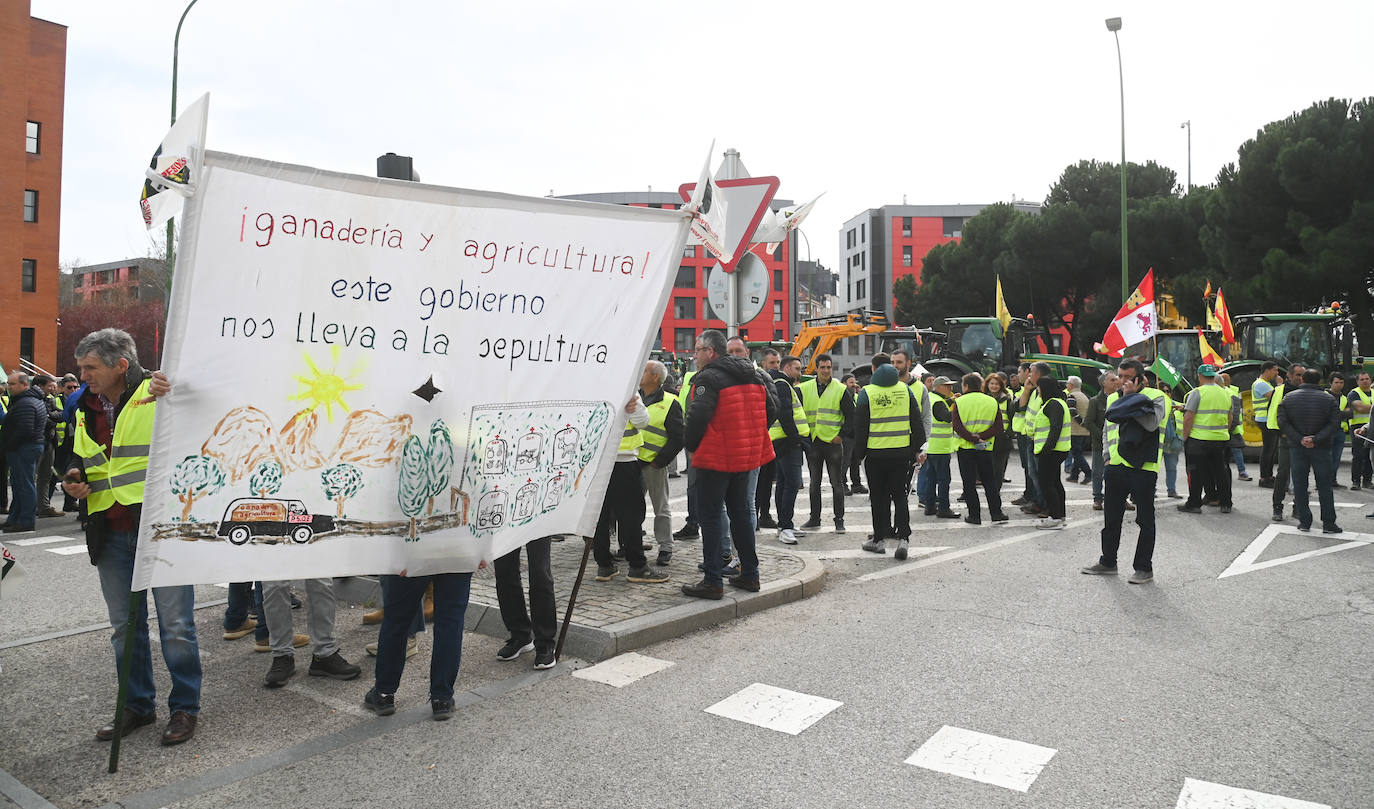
114,428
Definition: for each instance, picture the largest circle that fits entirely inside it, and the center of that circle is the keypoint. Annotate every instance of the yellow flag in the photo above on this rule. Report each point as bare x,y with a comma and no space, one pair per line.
1212,323
1003,315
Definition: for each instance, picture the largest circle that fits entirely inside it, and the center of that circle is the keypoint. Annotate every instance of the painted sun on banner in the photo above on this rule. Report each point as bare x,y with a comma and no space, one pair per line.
372,376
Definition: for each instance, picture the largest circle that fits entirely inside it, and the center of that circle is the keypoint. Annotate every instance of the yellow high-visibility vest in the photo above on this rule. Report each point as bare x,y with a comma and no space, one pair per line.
977,412
941,433
823,414
1042,428
118,476
1213,413
654,435
1110,440
1275,399
775,430
1361,419
889,416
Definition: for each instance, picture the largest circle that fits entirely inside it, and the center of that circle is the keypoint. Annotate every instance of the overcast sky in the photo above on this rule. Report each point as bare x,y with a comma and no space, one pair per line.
869,102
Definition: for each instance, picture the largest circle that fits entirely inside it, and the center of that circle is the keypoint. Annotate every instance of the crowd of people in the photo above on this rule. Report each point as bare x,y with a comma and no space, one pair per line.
745,430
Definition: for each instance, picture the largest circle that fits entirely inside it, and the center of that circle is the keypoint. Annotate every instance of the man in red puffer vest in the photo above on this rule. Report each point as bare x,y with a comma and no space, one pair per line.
727,433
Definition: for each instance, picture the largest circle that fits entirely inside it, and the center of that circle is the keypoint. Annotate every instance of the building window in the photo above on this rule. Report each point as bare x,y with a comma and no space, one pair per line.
849,239
777,280
906,226
954,227
863,233
131,274
105,276
29,275
79,281
658,338
26,344
690,251
133,293
30,205
686,278
684,340
906,255
859,288
777,311
31,137
777,334
853,345
685,308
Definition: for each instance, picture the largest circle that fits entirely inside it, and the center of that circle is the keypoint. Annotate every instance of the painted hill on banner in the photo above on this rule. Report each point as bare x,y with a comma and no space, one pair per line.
245,437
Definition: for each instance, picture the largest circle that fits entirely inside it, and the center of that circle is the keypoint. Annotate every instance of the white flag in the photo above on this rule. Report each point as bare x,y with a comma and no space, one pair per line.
708,212
792,216
171,174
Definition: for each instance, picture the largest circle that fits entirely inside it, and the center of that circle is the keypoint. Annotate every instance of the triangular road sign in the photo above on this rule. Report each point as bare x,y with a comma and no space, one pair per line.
1246,561
746,201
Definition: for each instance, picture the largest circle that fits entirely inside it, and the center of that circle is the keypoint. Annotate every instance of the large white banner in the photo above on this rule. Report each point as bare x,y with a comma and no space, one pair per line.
372,376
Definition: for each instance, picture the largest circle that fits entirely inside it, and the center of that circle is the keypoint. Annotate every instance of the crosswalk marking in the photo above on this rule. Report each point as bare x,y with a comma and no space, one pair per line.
621,670
860,553
41,540
959,554
67,550
981,757
1207,795
774,708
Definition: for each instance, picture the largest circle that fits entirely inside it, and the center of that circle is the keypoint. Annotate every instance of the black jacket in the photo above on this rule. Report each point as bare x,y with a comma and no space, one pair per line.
782,389
1309,410
27,420
706,386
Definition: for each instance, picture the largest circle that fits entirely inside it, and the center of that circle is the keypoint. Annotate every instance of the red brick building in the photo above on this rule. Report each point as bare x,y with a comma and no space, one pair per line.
33,64
688,312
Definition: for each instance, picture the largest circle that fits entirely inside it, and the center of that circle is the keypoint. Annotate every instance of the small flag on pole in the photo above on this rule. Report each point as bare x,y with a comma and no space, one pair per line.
1166,372
1135,322
172,174
1209,355
1003,314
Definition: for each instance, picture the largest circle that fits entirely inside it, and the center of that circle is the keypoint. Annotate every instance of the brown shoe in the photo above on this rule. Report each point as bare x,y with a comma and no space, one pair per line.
133,720
297,641
245,628
180,729
373,617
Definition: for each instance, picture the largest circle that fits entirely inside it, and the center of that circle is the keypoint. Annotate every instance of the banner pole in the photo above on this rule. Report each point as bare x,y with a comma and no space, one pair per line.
572,597
127,663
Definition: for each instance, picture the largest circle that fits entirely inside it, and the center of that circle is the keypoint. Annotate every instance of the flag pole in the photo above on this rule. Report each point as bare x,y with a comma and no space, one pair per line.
572,597
123,695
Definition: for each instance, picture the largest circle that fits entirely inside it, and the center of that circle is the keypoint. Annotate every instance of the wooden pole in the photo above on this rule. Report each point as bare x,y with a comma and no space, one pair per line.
572,597
123,695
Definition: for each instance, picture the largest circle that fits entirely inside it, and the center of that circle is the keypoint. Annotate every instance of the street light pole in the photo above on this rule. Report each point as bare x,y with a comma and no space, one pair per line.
176,47
1188,125
1114,25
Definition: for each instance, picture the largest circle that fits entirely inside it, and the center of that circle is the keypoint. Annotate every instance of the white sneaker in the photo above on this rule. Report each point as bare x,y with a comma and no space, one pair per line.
787,536
1049,524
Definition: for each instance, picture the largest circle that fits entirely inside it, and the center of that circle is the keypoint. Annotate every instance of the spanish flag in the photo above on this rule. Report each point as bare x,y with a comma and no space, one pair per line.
1209,355
1223,316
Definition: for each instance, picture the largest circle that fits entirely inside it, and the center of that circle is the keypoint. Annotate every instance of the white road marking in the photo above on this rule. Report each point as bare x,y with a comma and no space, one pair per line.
959,554
774,708
296,686
860,553
623,669
1245,562
981,757
1207,795
41,540
67,550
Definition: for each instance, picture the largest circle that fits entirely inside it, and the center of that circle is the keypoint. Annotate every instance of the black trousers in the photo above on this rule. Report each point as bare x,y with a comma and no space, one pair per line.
1207,471
1268,453
886,470
624,506
976,465
763,492
1283,478
1119,483
831,457
540,623
1048,463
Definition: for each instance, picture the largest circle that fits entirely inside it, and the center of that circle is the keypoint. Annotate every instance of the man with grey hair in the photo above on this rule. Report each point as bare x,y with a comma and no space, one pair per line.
1077,465
25,426
114,427
662,442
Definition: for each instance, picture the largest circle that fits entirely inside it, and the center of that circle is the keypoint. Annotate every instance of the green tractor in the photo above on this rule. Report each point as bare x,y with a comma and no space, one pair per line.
1325,341
980,344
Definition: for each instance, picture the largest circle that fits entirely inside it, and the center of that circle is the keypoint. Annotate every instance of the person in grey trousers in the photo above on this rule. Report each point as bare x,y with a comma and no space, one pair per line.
326,661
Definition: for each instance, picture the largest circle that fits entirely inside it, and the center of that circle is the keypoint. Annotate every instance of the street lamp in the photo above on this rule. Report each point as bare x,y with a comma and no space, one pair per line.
1114,25
176,46
1188,125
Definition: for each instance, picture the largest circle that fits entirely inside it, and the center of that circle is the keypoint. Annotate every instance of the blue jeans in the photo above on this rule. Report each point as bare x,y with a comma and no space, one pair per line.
938,478
1076,464
732,490
1318,460
1238,455
418,625
1032,472
1337,449
176,623
236,611
23,464
1099,472
789,482
1171,472
925,483
403,596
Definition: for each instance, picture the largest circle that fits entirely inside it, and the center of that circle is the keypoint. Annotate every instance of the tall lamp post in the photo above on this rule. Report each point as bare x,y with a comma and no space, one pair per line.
1188,125
1114,25
176,47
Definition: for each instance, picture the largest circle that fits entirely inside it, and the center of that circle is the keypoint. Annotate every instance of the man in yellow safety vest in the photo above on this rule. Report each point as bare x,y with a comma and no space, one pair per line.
1207,423
828,405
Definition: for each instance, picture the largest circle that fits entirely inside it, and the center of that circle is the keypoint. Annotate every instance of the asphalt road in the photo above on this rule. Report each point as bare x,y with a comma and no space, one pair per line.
985,658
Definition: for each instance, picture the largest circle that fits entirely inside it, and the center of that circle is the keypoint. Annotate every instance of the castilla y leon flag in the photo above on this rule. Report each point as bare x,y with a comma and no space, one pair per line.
1136,321
1223,316
1209,355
